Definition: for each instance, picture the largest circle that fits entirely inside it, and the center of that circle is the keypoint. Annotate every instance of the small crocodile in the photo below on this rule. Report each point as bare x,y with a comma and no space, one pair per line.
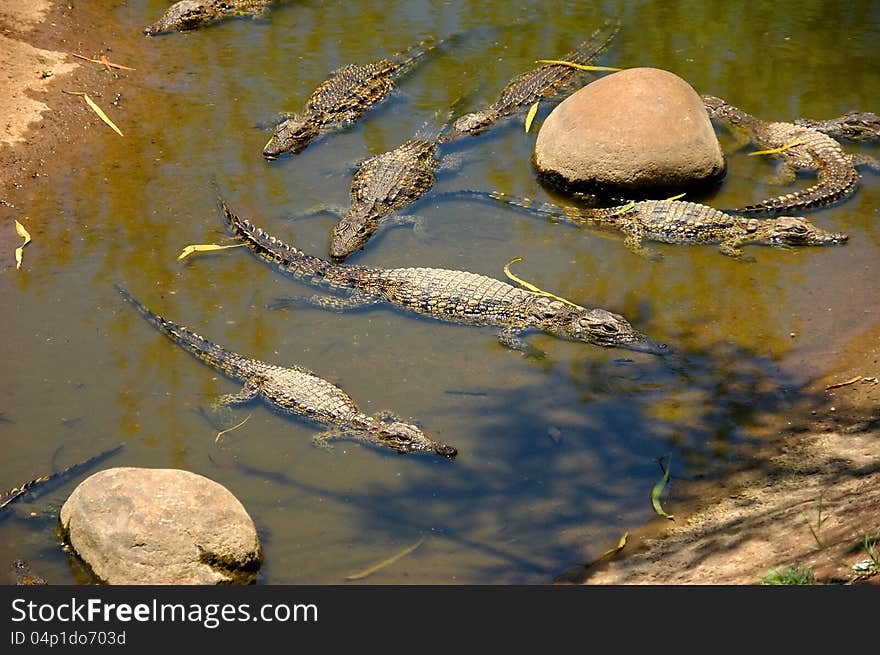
534,85
191,14
854,125
383,184
296,390
23,575
801,149
343,98
446,295
678,221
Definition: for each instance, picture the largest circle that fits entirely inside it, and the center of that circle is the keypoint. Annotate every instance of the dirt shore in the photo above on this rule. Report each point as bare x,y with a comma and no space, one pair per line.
808,498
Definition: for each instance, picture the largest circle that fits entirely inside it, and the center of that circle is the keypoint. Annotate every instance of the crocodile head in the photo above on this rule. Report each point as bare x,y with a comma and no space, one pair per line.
293,134
722,110
406,438
474,122
21,570
351,233
184,15
853,125
795,231
593,325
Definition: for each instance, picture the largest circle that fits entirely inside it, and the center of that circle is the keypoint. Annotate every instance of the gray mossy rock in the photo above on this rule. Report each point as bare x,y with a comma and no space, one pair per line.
160,526
634,130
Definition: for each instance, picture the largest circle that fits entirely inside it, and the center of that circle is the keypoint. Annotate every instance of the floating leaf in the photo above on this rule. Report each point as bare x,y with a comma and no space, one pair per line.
234,427
531,115
657,490
582,67
532,287
680,195
19,252
773,151
206,247
101,114
381,565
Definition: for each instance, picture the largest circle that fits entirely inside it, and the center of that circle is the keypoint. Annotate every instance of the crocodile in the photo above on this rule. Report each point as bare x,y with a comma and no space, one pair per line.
343,98
681,222
191,14
854,125
24,576
298,391
383,184
800,149
533,85
446,295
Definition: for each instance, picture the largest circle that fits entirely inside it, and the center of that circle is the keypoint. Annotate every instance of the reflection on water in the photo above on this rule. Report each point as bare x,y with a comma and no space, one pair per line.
556,456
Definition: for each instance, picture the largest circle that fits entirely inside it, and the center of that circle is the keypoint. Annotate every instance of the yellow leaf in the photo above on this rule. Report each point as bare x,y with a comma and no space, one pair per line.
657,490
680,195
384,563
774,151
532,287
531,115
583,67
101,114
205,248
19,252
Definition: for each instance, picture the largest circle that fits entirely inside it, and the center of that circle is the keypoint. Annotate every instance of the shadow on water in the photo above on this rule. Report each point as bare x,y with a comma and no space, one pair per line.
558,456
558,473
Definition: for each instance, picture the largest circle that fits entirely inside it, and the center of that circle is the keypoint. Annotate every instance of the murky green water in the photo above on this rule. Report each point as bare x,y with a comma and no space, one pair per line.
557,457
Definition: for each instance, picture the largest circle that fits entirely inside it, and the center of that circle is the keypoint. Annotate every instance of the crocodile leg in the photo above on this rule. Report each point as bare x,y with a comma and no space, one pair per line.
417,223
729,248
869,162
633,243
355,301
784,175
248,393
386,415
509,337
219,414
322,439
314,212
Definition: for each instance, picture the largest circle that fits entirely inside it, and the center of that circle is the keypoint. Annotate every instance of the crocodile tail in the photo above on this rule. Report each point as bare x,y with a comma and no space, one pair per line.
588,52
285,257
817,195
205,350
523,202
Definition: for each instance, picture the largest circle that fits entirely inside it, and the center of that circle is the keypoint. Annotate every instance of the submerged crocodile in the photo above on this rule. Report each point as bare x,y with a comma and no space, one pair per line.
677,221
296,390
854,125
23,575
343,98
800,149
191,14
534,85
445,295
383,184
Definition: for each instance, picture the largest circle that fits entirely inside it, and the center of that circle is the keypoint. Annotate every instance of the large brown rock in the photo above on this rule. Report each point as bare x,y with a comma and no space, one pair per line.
634,130
160,526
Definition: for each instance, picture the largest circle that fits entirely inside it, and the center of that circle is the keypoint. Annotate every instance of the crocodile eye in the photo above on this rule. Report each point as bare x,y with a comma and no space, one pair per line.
610,328
800,229
361,229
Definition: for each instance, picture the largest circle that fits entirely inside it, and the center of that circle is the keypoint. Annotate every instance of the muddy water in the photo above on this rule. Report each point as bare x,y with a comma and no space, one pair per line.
557,456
